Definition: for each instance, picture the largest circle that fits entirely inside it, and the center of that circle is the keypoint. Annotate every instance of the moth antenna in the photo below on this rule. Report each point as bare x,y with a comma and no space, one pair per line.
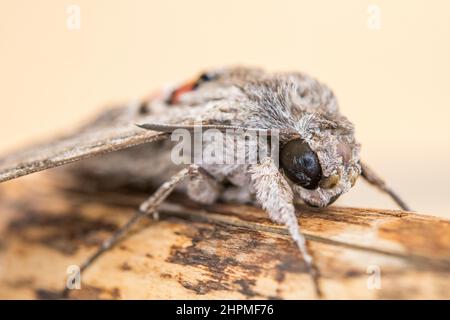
376,181
168,128
171,127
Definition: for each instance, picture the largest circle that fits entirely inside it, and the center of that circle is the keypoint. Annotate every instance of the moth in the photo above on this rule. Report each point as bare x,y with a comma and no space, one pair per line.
318,155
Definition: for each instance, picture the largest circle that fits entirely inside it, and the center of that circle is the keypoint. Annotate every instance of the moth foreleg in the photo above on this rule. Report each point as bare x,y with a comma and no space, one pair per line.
376,181
203,187
276,197
147,208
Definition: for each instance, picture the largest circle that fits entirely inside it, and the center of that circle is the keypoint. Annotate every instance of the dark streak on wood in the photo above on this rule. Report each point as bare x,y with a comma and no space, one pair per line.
64,233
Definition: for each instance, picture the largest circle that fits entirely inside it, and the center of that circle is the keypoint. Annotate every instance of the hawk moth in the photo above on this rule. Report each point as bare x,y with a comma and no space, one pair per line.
319,156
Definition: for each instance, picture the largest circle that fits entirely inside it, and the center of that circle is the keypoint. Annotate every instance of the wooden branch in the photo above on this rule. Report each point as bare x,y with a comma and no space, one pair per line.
221,251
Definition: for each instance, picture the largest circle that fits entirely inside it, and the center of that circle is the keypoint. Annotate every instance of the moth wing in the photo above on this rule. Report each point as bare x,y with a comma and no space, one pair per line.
113,130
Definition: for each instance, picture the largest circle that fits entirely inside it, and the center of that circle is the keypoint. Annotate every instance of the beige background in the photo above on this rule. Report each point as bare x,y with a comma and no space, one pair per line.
393,83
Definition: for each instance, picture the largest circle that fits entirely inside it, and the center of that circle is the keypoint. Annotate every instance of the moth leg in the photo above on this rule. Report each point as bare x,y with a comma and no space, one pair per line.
147,208
203,187
276,197
376,181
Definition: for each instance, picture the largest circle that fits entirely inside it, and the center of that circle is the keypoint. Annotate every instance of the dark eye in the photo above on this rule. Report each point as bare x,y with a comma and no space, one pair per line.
300,164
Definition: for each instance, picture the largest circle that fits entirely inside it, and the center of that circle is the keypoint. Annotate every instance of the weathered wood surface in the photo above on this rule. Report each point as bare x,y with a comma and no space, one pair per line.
223,251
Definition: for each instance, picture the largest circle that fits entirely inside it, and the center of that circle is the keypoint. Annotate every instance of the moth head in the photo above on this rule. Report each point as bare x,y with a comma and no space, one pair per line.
322,161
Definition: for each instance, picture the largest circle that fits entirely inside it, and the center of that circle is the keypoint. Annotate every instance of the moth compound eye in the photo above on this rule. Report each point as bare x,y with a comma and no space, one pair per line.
300,164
